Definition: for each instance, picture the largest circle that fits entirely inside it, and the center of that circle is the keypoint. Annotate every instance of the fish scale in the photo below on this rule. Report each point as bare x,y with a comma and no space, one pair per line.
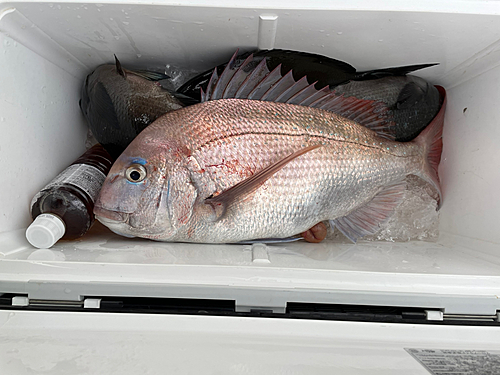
207,149
268,134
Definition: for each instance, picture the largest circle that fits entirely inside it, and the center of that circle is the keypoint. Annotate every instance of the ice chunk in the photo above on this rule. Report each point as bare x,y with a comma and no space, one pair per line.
178,76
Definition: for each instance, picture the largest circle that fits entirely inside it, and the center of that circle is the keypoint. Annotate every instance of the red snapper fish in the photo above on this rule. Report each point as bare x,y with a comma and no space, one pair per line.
234,170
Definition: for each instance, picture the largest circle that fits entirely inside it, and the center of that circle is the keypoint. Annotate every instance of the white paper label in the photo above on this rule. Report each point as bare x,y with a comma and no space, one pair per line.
86,177
458,362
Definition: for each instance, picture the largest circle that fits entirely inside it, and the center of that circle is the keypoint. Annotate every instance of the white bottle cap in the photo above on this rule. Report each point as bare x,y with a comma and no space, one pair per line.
45,231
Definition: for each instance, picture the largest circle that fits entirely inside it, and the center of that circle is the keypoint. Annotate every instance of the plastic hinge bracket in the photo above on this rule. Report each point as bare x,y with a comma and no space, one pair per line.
92,303
434,315
20,301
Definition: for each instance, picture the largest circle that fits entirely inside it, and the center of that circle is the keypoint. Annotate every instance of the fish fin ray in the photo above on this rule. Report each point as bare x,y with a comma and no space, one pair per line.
367,219
252,80
315,96
300,96
224,78
211,84
263,86
237,79
281,86
293,90
249,185
372,114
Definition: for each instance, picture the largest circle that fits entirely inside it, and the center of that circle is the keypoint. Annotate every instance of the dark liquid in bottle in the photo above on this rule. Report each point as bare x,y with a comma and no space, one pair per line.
71,195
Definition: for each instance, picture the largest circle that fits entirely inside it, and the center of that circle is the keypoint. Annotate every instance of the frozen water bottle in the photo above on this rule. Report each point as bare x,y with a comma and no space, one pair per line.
64,208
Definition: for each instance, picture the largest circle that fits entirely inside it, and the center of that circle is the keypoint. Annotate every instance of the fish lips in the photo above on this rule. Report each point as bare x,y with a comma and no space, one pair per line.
123,224
108,216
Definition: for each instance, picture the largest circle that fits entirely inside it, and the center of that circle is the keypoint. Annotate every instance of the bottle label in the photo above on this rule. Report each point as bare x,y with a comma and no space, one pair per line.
83,176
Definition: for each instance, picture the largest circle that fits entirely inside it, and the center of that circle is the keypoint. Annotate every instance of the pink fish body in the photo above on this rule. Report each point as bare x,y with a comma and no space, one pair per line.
232,170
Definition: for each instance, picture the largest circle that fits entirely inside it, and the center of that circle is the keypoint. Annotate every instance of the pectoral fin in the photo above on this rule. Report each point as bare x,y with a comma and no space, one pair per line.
249,185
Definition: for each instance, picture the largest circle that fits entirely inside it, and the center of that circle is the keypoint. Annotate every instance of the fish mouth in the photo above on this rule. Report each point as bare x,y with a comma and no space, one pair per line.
108,216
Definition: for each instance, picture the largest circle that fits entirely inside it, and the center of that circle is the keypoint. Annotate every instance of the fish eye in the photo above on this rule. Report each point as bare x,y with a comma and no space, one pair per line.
135,173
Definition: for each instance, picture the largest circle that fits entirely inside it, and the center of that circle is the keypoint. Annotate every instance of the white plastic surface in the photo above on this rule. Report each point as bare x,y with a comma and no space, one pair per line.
20,301
45,231
93,343
48,48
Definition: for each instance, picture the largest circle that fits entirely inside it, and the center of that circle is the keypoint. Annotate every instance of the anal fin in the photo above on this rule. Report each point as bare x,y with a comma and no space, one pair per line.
367,219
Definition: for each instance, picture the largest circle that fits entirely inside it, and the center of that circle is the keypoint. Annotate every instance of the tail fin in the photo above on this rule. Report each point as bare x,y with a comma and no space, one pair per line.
431,140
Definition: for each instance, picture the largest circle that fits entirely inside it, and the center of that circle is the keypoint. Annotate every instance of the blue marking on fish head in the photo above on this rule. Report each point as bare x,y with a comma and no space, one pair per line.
133,189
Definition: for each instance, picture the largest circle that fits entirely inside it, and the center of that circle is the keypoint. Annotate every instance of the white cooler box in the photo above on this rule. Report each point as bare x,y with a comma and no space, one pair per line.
107,304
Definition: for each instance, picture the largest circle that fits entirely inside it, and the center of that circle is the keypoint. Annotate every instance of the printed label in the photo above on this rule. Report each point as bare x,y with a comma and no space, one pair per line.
458,362
86,177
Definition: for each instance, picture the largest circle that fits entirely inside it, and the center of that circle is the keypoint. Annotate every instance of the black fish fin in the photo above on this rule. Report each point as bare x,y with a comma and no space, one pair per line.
388,72
324,70
249,185
367,219
150,76
119,68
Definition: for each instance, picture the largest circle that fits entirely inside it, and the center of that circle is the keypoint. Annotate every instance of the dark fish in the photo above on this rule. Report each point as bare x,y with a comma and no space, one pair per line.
412,101
119,103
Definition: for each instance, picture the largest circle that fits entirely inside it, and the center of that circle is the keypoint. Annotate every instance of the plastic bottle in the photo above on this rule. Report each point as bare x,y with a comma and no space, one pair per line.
64,208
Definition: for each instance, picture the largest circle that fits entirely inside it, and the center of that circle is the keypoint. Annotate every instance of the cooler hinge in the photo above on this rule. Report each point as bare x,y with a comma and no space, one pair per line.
23,301
438,315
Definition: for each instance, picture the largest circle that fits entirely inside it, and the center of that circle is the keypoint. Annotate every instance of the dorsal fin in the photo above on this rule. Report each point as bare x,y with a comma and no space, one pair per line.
263,86
260,84
205,96
252,80
119,68
224,78
237,80
279,88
